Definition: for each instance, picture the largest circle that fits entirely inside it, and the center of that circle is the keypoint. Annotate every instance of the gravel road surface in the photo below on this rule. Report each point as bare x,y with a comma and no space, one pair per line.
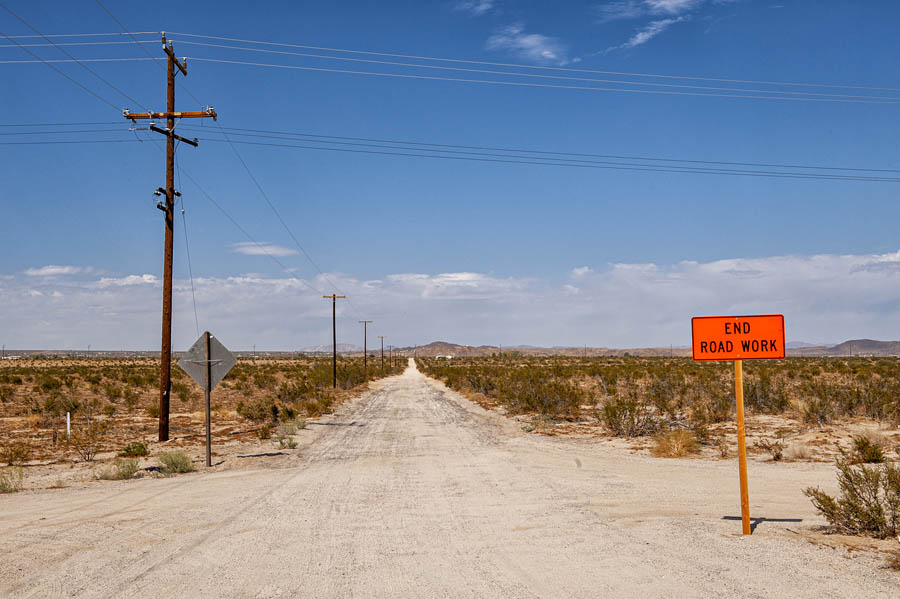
413,491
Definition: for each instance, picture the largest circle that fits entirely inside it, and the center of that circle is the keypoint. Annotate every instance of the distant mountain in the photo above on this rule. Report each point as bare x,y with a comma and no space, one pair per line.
866,347
802,344
343,348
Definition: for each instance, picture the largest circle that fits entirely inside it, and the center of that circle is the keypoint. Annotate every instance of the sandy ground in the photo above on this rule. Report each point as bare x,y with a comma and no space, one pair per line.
413,491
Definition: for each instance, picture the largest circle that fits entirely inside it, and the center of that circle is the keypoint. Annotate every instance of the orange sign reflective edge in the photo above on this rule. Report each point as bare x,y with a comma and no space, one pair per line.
757,337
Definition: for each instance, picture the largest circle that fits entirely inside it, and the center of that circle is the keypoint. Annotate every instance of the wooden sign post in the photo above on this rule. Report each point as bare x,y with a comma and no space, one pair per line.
739,338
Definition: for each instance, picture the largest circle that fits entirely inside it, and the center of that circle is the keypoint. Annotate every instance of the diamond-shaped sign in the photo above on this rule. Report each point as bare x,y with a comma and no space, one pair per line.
195,361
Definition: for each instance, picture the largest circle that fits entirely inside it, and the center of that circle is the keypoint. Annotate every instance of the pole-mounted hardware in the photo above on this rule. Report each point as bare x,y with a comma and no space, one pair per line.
170,193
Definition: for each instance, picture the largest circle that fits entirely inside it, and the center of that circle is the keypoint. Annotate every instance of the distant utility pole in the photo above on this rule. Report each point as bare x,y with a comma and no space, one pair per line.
382,352
365,323
334,299
165,381
391,355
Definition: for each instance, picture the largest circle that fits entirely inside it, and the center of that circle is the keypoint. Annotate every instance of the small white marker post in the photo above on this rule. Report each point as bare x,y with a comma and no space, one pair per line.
68,425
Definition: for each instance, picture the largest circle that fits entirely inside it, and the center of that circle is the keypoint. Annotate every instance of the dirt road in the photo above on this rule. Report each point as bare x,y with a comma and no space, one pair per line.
412,491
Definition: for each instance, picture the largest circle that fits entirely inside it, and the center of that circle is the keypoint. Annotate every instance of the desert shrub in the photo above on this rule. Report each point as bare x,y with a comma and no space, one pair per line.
182,391
880,399
263,380
264,432
317,407
866,450
15,454
627,417
11,479
109,410
57,405
530,392
300,423
821,403
287,443
675,444
47,383
722,446
893,561
112,392
87,439
765,397
120,470
6,393
258,410
663,393
175,462
774,447
134,450
291,391
153,410
869,500
288,428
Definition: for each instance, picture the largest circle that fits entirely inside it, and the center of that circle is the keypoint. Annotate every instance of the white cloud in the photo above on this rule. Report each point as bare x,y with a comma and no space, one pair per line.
828,296
664,14
263,248
647,33
633,9
533,47
623,9
475,8
671,7
54,271
581,271
127,281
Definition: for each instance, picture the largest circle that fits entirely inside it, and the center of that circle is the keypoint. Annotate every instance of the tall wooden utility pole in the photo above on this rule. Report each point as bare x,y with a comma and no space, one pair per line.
165,381
382,352
365,355
334,299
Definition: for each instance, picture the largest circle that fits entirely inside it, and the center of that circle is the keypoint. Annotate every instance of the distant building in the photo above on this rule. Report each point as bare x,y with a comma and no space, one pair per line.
444,357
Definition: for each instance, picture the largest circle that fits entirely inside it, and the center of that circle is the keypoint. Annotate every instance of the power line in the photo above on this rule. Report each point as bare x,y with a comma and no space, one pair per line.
81,141
61,132
275,210
543,85
501,154
514,74
79,61
290,135
88,69
187,247
59,124
46,35
85,88
556,153
539,67
76,44
261,247
125,29
613,166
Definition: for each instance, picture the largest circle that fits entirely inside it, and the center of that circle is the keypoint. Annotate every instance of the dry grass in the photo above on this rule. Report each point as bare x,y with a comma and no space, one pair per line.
122,398
893,561
11,479
675,444
798,451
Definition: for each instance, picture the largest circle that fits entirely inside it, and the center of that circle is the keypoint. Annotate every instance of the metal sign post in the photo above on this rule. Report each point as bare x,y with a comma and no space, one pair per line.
207,363
739,338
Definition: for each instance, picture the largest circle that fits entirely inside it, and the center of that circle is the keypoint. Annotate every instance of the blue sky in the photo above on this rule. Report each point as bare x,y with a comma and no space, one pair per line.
471,252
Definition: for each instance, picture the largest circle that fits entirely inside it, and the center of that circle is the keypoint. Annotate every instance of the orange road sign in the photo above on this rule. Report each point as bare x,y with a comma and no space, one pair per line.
759,337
